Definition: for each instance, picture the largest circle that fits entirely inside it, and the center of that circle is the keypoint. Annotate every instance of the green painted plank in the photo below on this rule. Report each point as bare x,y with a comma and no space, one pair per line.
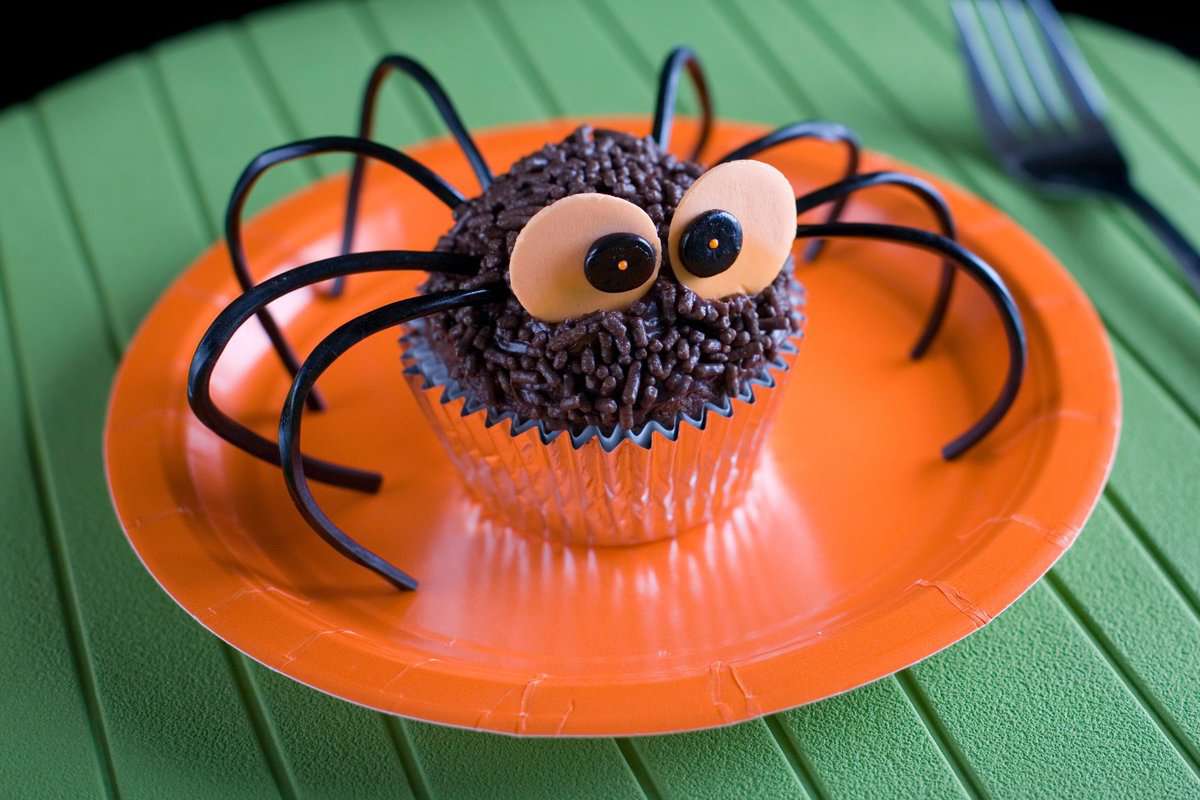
321,96
330,748
581,77
1038,714
1161,85
742,88
1155,474
174,718
1118,589
458,42
45,696
333,749
223,116
464,765
139,220
869,743
741,761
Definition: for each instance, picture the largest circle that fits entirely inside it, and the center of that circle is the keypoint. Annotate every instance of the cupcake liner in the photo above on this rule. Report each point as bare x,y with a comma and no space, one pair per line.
620,487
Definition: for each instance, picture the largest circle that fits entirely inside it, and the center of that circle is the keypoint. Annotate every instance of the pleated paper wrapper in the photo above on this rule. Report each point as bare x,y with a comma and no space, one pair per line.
623,488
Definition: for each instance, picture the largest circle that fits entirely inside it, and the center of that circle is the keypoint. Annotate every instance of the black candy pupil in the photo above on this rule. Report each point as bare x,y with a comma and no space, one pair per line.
711,243
618,262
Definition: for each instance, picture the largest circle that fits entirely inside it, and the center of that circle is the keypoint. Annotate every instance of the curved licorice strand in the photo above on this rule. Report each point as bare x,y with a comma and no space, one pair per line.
941,212
668,94
813,129
366,124
302,149
221,332
295,466
985,276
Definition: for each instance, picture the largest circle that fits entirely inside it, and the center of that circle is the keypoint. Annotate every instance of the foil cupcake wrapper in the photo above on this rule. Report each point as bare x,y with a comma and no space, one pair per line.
596,487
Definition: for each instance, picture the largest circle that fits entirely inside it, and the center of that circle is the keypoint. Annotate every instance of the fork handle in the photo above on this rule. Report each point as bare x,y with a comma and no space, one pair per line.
1179,247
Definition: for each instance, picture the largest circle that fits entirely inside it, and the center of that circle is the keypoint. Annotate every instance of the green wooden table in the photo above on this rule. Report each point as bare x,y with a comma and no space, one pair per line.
109,185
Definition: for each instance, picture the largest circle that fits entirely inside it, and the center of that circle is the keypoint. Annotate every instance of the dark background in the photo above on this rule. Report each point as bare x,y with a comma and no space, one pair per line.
103,31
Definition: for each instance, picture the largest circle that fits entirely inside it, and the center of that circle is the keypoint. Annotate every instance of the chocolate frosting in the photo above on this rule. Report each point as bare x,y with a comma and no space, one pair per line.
669,352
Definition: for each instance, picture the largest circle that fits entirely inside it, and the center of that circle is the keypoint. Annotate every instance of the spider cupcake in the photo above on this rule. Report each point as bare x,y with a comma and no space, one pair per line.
604,329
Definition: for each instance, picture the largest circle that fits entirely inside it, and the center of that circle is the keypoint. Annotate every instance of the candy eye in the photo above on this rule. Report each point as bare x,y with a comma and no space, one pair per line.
619,262
711,243
733,229
584,253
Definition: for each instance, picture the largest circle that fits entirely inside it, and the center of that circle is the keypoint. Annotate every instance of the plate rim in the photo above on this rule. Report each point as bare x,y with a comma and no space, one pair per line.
1092,485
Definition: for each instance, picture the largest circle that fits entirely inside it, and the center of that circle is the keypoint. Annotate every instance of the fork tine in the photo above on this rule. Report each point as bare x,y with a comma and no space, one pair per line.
1009,61
993,115
1075,77
1033,54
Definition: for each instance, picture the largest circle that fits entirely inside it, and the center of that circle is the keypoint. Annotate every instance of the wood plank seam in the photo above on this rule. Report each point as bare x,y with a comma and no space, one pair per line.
52,525
257,67
795,756
968,780
264,730
1156,379
926,715
113,331
173,126
766,54
1169,571
966,179
1154,709
610,22
372,28
1121,217
637,766
402,744
525,66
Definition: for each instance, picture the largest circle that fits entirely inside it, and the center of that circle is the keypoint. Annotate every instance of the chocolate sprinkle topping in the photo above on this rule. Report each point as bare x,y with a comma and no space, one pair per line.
670,352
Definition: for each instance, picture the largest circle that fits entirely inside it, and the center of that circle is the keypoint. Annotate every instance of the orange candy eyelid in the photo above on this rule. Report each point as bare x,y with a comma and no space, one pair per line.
546,268
761,199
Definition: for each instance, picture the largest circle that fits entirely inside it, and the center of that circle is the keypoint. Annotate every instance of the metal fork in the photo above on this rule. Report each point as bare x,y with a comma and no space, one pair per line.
1043,112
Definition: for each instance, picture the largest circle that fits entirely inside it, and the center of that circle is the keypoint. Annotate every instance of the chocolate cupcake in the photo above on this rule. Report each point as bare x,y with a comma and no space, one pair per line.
606,327
652,311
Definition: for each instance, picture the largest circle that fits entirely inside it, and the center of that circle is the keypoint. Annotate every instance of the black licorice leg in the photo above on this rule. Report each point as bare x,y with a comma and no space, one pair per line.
985,276
221,331
668,93
295,466
936,204
289,152
366,124
815,129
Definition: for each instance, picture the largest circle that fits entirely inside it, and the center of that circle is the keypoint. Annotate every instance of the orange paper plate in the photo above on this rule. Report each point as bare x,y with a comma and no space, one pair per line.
858,552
